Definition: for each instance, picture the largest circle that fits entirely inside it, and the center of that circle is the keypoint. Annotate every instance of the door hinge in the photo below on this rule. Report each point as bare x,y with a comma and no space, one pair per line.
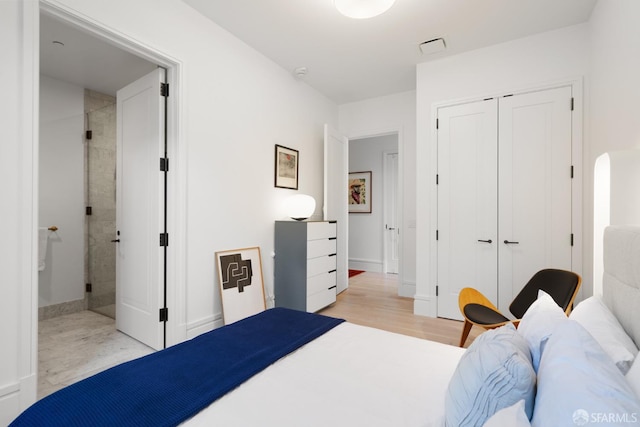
164,89
164,239
164,314
437,179
164,164
437,290
571,171
571,239
88,210
88,135
437,123
437,234
87,287
572,104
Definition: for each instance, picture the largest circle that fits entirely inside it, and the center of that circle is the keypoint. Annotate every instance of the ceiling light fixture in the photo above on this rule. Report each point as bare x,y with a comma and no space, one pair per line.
362,9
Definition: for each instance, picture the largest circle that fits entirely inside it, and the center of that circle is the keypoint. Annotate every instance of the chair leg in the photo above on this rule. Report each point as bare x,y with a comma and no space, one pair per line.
465,332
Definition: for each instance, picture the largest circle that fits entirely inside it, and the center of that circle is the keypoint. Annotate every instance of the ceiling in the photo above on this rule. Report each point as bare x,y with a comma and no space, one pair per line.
85,60
347,60
350,60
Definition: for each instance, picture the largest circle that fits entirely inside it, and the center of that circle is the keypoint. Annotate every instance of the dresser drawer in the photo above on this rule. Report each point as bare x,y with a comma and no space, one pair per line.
321,230
323,264
320,300
321,282
323,247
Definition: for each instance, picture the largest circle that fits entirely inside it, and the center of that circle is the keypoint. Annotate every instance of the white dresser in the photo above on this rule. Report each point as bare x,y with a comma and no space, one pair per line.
305,264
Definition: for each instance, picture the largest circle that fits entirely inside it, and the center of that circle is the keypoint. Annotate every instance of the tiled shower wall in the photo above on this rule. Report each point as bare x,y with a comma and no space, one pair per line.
100,194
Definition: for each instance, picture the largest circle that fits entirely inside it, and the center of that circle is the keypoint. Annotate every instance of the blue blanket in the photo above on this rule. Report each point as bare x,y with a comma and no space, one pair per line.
170,386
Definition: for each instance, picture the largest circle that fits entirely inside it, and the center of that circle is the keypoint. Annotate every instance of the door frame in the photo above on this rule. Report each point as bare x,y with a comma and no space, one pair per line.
404,289
427,304
176,326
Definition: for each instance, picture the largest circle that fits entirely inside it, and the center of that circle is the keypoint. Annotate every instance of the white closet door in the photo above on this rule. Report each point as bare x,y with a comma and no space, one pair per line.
467,203
534,187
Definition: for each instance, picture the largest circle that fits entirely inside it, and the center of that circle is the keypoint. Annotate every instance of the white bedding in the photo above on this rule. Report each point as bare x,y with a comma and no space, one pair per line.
352,376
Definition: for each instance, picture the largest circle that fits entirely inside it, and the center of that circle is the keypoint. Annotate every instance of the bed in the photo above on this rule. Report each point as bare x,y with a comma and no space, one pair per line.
288,368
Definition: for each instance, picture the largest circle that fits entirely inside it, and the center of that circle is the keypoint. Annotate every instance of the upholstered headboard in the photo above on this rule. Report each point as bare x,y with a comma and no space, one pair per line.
621,280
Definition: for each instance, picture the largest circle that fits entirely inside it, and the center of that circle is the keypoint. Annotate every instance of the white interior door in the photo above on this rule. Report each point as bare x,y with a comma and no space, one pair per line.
336,178
391,244
140,210
467,203
535,187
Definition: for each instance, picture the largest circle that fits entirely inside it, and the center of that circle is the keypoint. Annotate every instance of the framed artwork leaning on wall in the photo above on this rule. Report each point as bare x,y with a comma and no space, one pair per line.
241,284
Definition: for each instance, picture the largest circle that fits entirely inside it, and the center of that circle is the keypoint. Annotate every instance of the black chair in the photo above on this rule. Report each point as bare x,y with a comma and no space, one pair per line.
561,285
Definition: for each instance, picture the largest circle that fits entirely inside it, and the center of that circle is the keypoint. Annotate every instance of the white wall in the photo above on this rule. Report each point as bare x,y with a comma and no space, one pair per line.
366,231
560,55
18,304
376,116
61,195
235,105
614,124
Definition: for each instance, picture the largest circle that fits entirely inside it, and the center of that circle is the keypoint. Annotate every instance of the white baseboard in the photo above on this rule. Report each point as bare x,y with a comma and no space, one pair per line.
203,325
16,397
407,289
9,403
366,265
425,305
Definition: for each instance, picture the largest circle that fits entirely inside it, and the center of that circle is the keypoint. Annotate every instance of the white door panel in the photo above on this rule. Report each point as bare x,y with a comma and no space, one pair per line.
140,210
336,175
535,187
391,238
467,203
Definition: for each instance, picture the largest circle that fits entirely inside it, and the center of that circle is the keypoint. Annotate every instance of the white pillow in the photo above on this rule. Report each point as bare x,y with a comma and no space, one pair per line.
598,320
512,416
538,323
494,373
633,377
579,383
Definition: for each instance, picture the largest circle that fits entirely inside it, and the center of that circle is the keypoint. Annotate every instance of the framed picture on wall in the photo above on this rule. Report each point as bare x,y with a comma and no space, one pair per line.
286,170
359,192
241,285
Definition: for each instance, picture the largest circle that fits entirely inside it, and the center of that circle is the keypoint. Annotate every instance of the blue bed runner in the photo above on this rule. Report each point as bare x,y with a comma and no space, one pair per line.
170,386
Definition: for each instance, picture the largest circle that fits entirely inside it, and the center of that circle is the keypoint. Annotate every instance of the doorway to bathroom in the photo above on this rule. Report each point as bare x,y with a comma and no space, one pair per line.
82,69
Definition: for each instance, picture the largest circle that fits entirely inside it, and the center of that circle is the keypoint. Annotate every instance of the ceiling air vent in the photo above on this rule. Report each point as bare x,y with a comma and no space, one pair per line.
432,46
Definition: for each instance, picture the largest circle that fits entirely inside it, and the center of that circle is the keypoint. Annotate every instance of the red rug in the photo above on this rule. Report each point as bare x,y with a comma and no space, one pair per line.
355,272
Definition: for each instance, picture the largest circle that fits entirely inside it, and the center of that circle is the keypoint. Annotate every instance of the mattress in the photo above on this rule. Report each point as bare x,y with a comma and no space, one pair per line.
353,376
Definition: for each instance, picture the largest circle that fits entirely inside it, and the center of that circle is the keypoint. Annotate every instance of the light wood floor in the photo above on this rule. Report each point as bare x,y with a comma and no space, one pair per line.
372,300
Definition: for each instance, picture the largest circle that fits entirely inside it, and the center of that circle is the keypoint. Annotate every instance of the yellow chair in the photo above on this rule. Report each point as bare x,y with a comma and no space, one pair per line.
476,309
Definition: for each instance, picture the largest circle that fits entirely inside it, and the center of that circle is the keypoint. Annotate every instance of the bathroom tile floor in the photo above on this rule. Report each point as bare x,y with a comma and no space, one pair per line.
75,346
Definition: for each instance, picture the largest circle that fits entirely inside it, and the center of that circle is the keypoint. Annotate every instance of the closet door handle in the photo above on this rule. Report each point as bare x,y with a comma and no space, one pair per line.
507,242
485,241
